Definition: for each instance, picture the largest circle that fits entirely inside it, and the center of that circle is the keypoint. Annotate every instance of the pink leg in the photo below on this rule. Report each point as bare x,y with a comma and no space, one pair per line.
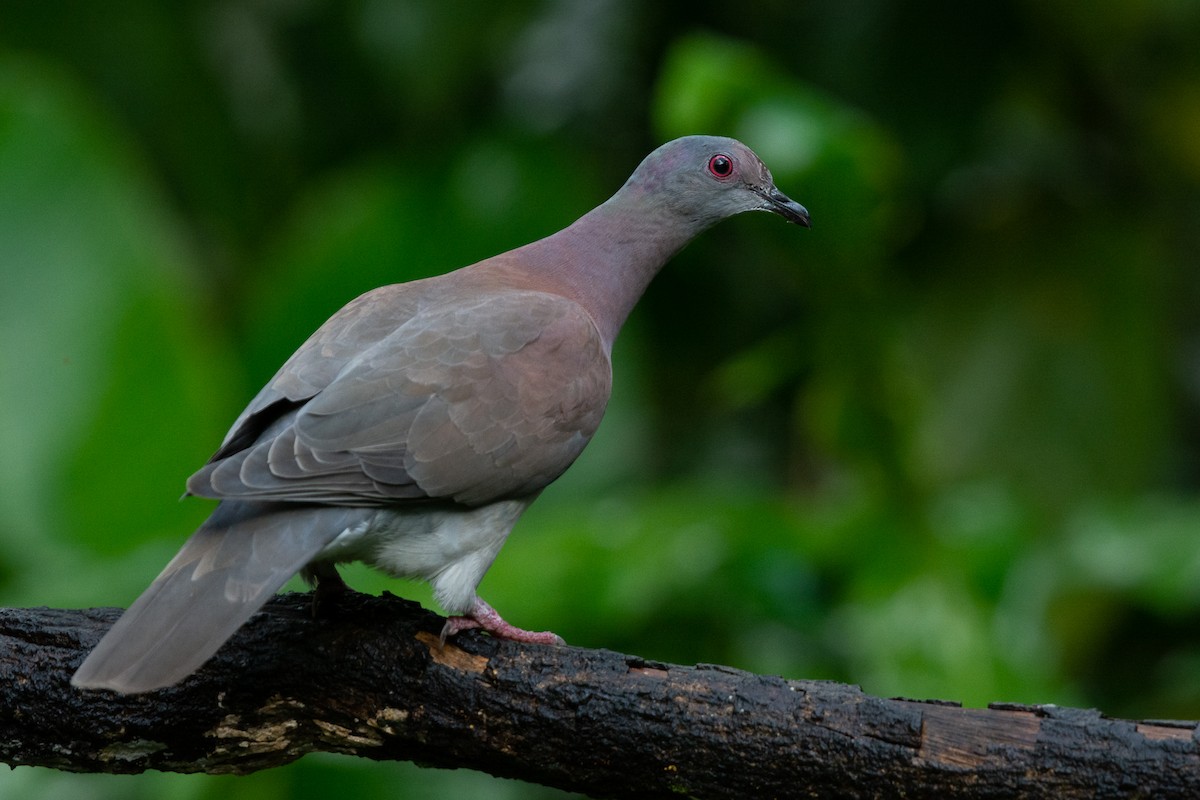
486,618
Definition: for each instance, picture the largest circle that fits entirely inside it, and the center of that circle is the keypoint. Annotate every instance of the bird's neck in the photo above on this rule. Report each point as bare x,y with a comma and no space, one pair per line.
606,259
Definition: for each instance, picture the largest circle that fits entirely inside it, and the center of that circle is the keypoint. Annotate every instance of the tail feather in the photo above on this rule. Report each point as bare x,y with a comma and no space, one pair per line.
223,574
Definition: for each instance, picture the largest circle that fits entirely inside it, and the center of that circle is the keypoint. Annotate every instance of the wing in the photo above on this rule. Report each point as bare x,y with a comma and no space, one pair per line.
469,401
359,324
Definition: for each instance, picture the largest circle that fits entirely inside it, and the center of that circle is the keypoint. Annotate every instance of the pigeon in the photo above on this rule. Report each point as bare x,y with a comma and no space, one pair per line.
414,427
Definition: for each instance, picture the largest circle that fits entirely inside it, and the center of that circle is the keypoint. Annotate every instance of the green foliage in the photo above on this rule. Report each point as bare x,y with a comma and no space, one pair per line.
942,445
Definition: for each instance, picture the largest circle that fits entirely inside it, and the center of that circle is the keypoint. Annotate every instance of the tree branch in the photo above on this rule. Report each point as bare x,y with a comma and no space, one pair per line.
368,678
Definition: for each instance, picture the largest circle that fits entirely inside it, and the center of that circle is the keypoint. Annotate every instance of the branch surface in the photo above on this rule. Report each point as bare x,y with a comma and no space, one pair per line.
368,678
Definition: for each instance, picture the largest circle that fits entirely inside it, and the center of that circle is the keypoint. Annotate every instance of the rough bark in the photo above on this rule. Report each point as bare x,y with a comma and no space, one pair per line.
369,678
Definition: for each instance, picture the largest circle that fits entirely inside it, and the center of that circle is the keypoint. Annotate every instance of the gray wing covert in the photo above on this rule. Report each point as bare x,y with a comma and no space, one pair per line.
471,402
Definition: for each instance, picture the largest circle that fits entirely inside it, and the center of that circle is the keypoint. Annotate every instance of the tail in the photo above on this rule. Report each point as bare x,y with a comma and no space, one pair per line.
225,572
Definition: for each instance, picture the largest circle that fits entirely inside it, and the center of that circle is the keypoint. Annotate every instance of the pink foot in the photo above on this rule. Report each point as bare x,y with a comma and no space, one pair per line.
485,617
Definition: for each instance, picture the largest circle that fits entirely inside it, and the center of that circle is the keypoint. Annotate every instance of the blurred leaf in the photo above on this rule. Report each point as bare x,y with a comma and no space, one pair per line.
1045,370
155,421
109,377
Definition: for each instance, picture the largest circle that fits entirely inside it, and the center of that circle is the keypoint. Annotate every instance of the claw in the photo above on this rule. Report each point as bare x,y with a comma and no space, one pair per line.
486,618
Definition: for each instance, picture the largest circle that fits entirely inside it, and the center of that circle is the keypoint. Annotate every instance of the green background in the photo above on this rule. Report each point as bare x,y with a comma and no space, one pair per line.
946,444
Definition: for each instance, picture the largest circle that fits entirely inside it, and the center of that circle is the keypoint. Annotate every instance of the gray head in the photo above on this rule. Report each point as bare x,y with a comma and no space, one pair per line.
705,179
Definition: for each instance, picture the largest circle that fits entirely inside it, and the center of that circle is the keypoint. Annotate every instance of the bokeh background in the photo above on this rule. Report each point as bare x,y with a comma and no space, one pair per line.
946,444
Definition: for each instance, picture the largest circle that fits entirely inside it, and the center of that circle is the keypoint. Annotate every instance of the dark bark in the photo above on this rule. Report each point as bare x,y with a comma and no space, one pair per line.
368,678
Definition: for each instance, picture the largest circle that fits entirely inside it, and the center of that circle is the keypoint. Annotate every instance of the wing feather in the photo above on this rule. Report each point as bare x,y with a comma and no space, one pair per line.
473,402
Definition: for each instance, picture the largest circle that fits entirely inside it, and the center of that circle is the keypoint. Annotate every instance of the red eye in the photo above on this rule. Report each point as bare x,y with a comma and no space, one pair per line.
720,165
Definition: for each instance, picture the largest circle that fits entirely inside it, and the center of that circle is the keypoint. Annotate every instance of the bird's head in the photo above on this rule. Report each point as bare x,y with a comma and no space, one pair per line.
709,178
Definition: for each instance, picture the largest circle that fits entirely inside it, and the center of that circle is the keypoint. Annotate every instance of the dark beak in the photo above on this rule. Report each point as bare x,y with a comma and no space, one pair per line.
784,206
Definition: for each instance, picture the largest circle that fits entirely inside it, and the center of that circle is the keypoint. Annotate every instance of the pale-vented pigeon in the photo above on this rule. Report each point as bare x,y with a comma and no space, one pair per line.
417,424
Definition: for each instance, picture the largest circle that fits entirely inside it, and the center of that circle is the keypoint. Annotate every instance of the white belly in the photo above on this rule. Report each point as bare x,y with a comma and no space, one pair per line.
451,547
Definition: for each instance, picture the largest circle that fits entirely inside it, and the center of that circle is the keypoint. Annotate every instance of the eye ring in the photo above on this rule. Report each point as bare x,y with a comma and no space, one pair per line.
720,166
